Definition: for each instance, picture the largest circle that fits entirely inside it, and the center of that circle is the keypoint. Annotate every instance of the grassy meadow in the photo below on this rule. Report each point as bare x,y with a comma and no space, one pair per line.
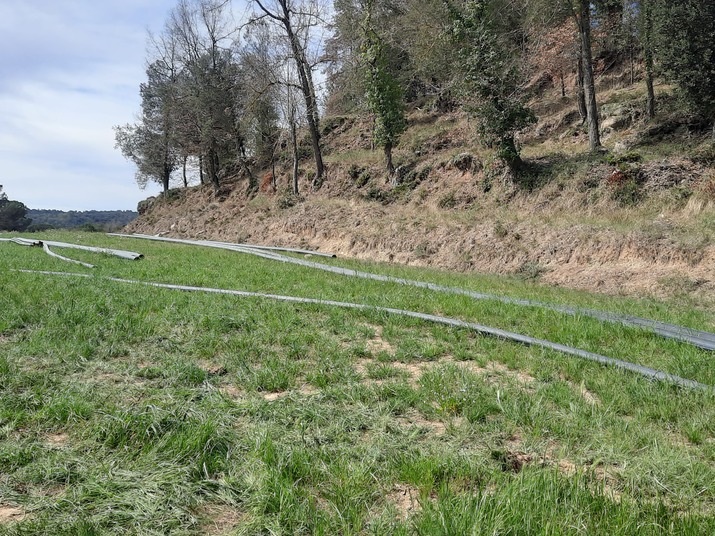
126,409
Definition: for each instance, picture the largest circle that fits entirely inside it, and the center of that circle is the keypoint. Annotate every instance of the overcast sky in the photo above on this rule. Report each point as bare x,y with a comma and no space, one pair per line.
69,71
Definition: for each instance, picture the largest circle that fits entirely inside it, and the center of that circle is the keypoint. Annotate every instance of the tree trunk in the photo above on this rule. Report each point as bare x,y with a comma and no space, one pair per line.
213,169
390,165
183,171
306,84
648,52
589,86
580,94
201,169
165,179
294,144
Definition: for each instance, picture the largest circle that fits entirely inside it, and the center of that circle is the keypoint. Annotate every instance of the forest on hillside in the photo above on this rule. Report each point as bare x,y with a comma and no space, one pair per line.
229,96
105,220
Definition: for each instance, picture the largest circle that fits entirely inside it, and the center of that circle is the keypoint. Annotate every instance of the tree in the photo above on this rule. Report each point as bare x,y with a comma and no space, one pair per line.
583,19
298,23
491,80
210,85
149,143
12,214
646,22
685,46
383,93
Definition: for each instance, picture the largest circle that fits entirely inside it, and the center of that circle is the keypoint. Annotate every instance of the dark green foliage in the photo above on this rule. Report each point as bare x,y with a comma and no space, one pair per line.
106,220
685,48
491,80
12,214
383,92
151,142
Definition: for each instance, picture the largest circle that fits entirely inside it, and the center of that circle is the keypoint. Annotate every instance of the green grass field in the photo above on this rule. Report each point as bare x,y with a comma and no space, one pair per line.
126,409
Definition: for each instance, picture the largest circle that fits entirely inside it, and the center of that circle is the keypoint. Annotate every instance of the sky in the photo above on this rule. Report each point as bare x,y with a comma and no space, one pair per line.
69,71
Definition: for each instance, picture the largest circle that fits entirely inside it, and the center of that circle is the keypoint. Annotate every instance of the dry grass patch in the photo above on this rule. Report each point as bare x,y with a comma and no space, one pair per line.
220,518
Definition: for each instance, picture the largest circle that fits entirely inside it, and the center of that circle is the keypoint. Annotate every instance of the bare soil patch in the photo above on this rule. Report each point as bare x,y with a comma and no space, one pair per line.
415,418
274,396
59,439
493,370
377,344
405,499
231,391
212,369
589,397
10,514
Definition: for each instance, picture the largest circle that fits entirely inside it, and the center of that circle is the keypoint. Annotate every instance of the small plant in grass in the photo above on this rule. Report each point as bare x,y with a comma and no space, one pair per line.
447,201
531,271
288,199
706,189
362,179
500,230
624,187
624,158
354,171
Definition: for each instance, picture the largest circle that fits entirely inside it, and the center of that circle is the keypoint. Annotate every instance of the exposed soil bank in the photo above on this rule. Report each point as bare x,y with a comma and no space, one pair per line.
654,259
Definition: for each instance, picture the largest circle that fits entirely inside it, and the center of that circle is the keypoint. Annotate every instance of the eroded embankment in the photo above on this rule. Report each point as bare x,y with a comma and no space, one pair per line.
579,256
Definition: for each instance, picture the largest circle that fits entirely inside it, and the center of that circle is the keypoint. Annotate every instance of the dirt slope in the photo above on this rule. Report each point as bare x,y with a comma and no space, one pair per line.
559,234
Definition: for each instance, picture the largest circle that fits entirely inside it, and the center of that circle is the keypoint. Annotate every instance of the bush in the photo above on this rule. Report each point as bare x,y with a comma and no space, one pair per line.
624,158
288,199
624,188
704,154
447,201
463,162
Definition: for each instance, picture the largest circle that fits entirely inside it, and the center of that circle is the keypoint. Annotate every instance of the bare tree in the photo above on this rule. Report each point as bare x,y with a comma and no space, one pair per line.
299,22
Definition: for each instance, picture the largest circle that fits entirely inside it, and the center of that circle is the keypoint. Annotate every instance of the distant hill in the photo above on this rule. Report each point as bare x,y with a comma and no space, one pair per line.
101,220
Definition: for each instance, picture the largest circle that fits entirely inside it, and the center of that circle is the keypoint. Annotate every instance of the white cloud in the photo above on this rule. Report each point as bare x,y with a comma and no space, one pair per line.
74,73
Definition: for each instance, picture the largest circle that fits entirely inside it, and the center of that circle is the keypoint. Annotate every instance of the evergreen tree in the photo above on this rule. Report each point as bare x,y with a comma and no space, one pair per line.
12,214
383,92
685,37
150,143
491,81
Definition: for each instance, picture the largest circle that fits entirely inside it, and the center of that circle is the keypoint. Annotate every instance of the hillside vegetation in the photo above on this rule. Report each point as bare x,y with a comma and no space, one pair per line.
639,219
104,220
131,409
570,141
